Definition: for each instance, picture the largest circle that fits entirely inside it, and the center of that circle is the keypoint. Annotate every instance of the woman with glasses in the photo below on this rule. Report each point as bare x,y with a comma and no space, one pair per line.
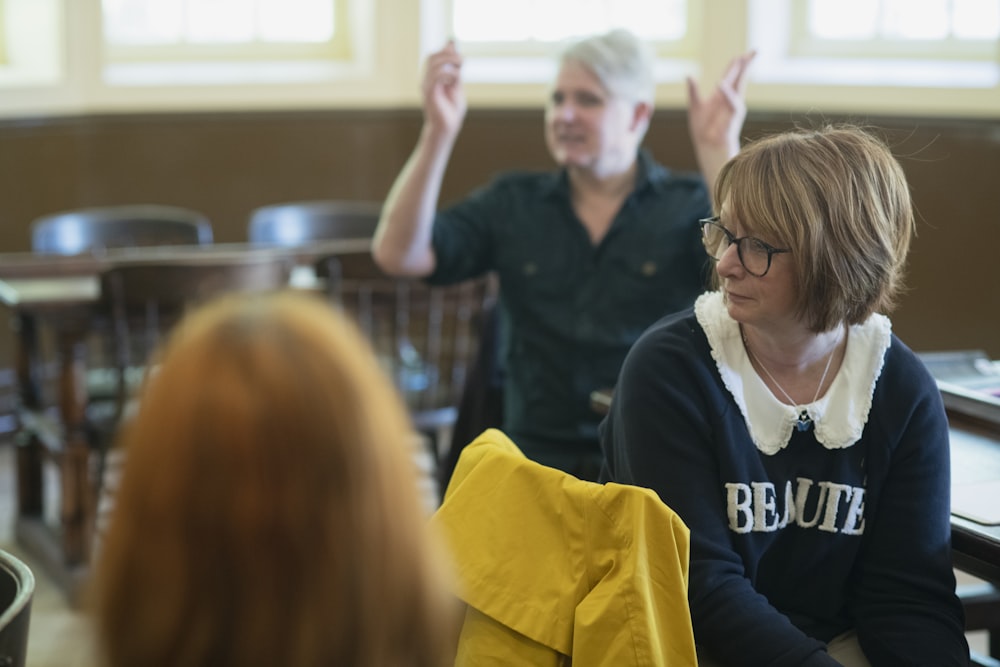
804,445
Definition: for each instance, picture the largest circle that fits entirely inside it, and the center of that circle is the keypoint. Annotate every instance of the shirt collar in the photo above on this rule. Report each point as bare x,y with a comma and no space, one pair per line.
839,417
649,174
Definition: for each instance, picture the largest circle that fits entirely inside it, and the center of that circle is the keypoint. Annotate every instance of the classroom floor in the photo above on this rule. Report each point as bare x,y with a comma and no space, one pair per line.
60,636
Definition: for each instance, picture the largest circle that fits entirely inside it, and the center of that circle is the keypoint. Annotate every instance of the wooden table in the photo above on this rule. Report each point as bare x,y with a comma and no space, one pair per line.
975,453
62,295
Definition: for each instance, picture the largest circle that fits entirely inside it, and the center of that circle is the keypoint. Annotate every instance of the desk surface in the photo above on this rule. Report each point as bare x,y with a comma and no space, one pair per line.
975,471
42,282
27,265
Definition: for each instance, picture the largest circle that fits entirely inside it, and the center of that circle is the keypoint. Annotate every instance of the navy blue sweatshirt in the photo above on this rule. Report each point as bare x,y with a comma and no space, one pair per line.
790,549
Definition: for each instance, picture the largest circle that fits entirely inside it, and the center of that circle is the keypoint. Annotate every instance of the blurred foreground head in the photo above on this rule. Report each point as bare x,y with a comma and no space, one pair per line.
268,511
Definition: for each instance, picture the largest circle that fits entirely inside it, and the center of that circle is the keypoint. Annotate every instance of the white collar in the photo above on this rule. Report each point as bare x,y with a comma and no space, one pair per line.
838,417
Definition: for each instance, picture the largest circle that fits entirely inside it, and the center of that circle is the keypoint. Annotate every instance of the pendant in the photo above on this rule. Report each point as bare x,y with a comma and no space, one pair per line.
804,421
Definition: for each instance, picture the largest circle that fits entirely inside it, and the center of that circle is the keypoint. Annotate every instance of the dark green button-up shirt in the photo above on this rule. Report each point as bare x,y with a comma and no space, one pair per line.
570,310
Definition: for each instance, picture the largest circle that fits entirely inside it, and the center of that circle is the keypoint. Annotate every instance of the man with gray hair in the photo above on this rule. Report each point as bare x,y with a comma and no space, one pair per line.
587,256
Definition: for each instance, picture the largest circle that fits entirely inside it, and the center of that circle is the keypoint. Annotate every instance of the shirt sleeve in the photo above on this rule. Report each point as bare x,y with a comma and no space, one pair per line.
904,604
658,435
464,234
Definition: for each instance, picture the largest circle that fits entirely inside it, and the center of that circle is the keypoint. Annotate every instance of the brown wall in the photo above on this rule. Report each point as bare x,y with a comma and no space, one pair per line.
226,164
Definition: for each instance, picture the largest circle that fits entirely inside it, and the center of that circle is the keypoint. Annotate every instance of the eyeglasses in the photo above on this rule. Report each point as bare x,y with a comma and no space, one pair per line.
754,254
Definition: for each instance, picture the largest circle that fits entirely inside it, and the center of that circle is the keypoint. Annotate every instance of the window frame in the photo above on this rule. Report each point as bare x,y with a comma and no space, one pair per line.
4,57
393,37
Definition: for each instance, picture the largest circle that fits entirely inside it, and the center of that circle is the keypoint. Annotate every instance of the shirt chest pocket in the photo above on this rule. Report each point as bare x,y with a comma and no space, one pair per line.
547,275
639,278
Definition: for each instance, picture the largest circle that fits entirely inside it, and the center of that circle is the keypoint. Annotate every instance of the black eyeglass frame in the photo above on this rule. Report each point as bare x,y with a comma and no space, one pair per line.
733,239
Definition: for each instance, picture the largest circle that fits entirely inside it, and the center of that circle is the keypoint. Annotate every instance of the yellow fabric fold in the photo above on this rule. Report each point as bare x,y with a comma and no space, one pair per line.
553,566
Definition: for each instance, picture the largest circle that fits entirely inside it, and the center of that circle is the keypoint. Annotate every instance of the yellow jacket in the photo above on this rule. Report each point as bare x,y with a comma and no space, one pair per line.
551,566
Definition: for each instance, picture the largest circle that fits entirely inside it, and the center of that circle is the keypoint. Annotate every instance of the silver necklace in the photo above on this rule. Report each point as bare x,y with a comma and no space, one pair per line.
804,421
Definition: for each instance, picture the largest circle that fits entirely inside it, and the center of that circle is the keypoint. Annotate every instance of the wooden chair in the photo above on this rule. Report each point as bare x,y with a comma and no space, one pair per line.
95,229
425,336
146,298
481,404
298,223
982,612
17,589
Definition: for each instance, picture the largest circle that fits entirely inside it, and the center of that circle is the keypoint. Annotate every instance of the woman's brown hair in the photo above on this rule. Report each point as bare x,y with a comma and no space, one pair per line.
839,200
268,512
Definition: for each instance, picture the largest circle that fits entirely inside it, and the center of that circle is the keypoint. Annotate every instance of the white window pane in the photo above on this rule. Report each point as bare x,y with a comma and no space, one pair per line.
220,21
915,19
143,21
151,22
976,19
555,20
664,20
587,16
295,20
474,22
843,19
32,43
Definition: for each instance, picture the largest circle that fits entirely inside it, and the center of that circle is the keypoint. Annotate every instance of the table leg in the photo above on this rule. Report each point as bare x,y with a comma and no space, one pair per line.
76,501
29,448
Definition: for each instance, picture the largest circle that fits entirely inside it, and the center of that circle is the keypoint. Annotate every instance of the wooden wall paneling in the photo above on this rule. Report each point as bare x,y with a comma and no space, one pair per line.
39,174
226,164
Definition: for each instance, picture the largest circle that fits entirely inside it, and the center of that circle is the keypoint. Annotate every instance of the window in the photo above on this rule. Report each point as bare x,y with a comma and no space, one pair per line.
924,57
199,29
893,43
163,42
31,47
951,29
549,21
515,41
3,36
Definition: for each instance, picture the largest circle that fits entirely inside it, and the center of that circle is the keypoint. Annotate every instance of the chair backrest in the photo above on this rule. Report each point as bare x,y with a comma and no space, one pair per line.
182,282
145,298
298,223
17,589
94,229
425,336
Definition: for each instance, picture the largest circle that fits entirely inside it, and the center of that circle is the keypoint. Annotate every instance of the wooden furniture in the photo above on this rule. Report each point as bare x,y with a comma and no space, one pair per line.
974,418
425,336
17,589
481,404
146,298
298,223
62,294
94,230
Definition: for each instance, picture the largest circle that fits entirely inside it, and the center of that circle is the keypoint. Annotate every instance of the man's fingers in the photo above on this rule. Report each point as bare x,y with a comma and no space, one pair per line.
736,72
443,68
733,98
